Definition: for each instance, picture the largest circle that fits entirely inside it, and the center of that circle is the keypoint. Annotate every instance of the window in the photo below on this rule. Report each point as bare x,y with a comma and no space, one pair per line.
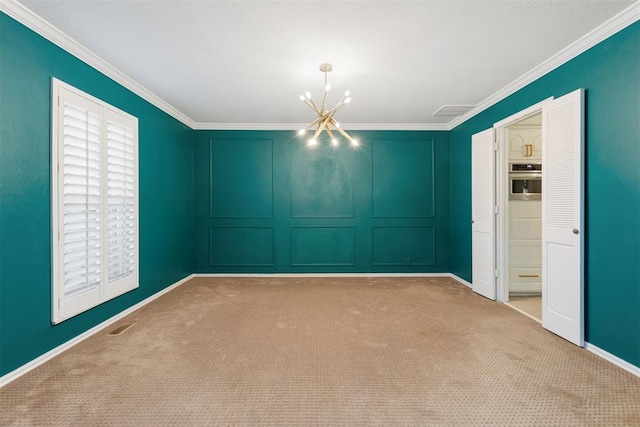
94,201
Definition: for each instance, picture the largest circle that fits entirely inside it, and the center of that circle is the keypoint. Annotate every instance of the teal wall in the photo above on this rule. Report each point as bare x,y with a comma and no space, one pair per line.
610,73
27,63
267,203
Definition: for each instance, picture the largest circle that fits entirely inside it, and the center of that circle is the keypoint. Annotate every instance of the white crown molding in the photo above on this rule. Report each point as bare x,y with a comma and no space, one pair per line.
297,126
622,20
34,22
247,126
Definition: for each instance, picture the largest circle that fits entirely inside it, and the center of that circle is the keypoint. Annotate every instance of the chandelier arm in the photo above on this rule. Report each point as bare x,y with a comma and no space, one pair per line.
328,129
336,108
343,99
324,101
318,130
312,105
313,123
345,134
315,106
322,125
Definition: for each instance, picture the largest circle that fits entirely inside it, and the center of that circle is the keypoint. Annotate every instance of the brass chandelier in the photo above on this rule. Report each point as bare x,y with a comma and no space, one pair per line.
325,121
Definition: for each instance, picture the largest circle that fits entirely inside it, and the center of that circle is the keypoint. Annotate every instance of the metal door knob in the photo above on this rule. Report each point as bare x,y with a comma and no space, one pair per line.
472,221
575,231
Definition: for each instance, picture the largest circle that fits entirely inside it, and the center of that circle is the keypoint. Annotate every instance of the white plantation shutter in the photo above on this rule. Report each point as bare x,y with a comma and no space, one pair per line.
94,195
80,205
121,213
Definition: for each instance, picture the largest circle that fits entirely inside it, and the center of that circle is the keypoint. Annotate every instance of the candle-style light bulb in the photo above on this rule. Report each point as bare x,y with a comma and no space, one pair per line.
334,142
307,94
302,132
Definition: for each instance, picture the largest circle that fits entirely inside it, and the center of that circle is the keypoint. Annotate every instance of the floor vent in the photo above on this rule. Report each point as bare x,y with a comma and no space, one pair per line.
121,329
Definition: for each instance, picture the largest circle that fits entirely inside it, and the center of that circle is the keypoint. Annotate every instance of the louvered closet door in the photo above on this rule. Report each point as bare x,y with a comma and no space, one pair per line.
562,205
121,187
80,207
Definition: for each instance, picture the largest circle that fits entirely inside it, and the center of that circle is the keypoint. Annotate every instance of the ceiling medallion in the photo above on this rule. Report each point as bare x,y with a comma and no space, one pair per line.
325,121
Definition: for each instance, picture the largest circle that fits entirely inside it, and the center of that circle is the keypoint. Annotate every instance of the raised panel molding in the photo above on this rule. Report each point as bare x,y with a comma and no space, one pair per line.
322,246
240,178
403,178
403,246
312,232
322,181
241,247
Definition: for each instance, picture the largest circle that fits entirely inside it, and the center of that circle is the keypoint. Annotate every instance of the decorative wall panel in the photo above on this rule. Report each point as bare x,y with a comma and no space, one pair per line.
325,246
241,178
322,181
403,178
241,246
403,246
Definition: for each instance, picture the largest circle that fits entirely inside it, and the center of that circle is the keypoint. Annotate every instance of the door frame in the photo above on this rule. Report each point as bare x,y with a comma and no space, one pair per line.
502,196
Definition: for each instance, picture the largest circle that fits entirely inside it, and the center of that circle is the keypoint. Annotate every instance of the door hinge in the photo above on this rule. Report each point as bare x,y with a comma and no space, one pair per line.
495,210
495,272
495,145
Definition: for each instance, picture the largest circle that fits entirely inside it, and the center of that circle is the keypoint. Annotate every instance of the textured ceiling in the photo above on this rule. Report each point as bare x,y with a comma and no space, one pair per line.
246,62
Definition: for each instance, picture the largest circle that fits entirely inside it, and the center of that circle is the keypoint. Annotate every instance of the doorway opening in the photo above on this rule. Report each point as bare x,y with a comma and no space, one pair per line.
522,145
519,170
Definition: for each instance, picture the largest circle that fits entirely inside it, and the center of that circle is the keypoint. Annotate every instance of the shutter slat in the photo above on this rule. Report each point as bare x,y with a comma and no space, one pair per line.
120,184
82,222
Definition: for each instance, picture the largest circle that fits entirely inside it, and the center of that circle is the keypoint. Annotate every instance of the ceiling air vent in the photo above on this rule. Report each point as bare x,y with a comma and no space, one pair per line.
452,110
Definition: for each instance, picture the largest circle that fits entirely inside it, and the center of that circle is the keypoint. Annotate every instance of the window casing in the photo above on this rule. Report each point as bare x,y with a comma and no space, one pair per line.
94,201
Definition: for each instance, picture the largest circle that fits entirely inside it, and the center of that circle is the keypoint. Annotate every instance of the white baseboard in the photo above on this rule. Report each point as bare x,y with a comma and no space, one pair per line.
459,279
6,379
325,275
635,370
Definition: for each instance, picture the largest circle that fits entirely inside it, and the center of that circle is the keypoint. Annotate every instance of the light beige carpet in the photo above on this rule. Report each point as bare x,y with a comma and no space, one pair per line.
324,351
530,304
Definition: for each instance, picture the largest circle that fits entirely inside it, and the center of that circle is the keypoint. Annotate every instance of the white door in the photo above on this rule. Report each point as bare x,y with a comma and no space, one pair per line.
562,225
482,213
